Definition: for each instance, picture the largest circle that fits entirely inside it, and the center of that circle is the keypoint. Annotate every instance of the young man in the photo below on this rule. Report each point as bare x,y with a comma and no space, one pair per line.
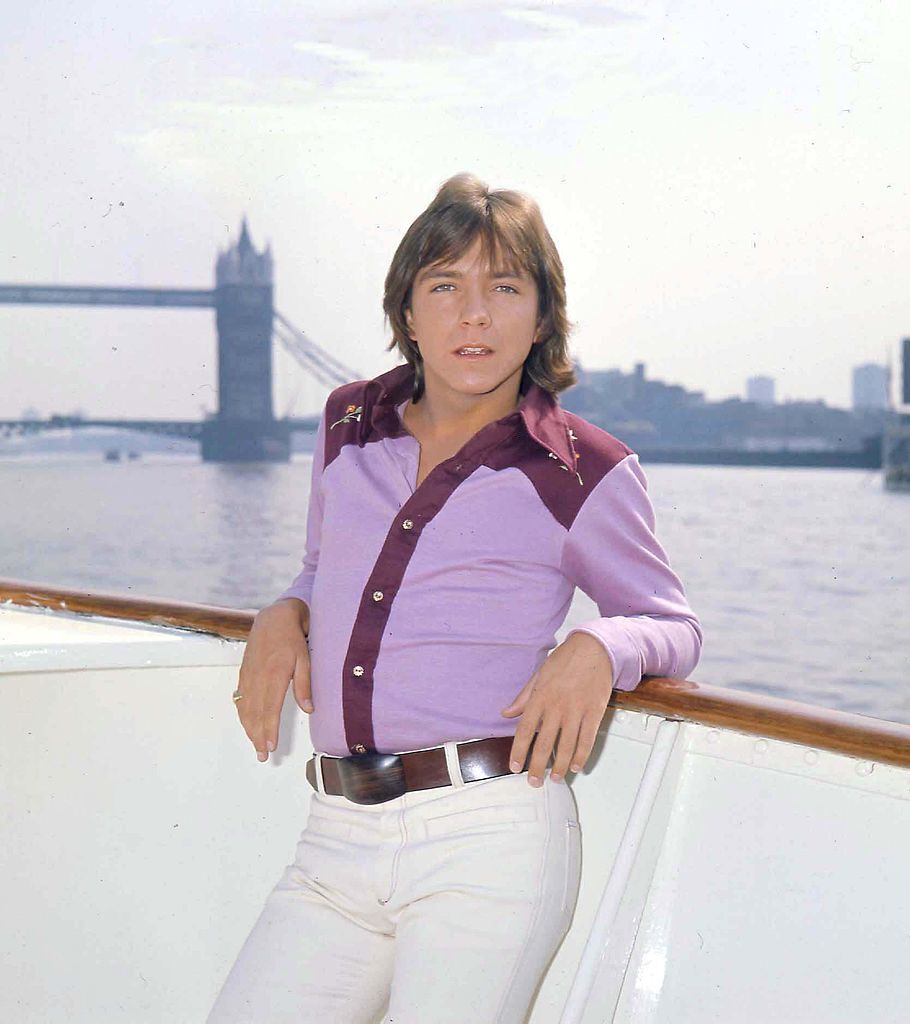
454,508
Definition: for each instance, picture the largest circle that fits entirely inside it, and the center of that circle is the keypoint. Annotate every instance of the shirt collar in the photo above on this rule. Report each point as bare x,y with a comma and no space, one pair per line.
538,411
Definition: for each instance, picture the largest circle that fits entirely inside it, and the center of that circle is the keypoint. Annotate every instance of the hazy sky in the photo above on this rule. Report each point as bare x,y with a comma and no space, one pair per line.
727,183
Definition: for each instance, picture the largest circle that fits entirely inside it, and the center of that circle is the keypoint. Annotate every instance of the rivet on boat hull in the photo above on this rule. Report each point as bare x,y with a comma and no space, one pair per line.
761,746
811,756
713,736
864,768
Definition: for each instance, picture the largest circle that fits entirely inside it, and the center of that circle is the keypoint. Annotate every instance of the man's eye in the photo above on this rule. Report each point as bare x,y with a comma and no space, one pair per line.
447,285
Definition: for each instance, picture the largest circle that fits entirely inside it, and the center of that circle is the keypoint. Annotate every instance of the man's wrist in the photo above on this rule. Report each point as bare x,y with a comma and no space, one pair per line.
300,607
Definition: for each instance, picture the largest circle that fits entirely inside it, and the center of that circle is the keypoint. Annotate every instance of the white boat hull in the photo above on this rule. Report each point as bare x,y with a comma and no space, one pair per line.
759,880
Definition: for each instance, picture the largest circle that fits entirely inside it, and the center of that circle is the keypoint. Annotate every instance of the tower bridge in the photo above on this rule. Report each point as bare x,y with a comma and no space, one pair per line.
244,428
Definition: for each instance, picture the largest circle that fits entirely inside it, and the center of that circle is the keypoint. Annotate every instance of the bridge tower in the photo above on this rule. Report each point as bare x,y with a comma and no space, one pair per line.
244,428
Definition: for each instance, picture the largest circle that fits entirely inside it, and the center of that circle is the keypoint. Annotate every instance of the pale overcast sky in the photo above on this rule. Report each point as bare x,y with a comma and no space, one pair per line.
727,183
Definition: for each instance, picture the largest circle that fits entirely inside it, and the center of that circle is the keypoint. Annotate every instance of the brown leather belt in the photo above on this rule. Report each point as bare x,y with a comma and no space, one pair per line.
375,778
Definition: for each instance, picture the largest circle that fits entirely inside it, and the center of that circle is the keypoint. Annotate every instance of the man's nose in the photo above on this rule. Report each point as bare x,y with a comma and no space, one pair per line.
474,309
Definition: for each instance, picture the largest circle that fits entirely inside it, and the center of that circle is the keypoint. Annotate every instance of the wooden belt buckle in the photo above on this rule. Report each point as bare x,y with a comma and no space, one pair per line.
372,778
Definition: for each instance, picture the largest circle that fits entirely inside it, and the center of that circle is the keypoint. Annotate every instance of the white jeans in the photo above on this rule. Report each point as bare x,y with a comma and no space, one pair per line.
443,905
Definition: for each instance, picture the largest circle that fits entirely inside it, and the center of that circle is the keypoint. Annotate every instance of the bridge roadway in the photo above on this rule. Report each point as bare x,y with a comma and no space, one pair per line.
190,429
869,458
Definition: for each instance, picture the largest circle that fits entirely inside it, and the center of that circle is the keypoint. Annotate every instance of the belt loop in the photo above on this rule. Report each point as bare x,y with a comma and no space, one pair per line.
453,764
320,781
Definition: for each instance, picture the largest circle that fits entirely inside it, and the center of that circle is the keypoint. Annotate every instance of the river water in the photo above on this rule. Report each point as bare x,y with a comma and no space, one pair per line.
801,577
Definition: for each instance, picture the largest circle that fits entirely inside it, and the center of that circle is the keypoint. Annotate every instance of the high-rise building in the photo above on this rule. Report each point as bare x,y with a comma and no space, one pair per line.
903,377
870,386
761,390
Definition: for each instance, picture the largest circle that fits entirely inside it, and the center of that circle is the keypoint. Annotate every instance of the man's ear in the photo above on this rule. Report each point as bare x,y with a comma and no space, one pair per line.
409,320
537,333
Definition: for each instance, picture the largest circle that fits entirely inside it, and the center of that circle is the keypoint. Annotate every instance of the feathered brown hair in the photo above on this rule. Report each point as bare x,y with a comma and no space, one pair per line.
513,234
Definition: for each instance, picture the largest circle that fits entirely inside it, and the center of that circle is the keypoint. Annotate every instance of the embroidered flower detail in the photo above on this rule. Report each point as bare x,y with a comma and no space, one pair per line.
572,438
562,465
352,412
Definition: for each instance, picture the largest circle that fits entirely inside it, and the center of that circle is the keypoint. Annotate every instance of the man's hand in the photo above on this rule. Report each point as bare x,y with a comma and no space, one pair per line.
567,695
276,651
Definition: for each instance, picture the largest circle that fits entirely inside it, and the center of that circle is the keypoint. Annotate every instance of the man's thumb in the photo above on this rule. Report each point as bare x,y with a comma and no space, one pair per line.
302,692
517,705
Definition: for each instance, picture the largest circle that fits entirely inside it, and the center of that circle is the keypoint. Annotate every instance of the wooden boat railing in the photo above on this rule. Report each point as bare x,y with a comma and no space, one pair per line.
757,714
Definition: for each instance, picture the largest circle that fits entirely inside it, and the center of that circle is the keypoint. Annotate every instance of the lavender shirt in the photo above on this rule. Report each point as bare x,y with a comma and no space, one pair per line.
430,608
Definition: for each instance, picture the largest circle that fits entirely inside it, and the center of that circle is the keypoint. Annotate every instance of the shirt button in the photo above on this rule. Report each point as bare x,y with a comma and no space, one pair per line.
377,595
358,748
358,670
407,524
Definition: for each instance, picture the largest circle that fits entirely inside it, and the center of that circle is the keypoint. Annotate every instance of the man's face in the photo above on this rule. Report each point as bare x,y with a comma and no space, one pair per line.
474,325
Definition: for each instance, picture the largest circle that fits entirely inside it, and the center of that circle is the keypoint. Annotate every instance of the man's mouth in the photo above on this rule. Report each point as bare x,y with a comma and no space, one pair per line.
475,351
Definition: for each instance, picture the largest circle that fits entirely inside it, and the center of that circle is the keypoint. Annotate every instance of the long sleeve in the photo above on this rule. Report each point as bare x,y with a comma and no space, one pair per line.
613,555
302,585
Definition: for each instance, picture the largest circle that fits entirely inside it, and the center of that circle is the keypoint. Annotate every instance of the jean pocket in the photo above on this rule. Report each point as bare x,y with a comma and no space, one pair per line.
496,818
572,876
325,825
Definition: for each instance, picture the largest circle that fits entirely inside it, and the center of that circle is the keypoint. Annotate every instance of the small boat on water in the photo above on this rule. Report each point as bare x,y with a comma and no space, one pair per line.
745,858
896,452
896,437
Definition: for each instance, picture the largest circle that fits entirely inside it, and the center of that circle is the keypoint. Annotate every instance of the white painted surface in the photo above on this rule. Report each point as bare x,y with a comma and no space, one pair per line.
42,640
609,940
140,832
141,836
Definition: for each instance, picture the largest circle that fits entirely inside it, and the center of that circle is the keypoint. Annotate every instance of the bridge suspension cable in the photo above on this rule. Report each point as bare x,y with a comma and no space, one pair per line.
321,364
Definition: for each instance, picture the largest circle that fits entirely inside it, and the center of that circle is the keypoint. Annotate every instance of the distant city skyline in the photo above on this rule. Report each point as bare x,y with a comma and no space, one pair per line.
727,191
